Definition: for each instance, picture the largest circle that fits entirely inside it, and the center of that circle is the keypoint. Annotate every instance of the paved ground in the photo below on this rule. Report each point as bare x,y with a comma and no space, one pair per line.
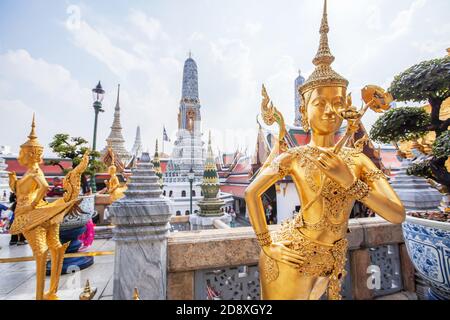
17,280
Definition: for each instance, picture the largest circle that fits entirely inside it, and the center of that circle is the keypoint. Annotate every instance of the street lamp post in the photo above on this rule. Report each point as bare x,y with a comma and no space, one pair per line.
97,94
191,180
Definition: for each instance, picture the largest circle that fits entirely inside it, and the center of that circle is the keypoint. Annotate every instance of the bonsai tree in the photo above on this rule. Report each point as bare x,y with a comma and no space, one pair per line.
73,148
427,81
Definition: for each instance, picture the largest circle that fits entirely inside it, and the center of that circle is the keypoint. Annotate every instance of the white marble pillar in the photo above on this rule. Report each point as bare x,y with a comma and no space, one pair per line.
142,226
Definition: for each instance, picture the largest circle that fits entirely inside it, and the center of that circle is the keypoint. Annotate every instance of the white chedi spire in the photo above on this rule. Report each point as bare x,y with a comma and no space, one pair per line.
115,139
137,146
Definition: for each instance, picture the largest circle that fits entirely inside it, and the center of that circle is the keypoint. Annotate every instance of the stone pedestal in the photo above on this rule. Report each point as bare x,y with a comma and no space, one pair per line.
205,222
141,222
415,192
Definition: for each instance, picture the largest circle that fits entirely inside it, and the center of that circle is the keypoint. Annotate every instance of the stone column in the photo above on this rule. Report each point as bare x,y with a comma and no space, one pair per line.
141,222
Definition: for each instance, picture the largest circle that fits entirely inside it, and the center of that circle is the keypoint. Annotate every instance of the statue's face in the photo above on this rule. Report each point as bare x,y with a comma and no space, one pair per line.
321,108
28,156
112,170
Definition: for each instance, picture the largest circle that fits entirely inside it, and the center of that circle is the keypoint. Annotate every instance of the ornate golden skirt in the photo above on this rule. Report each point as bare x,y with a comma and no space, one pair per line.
321,259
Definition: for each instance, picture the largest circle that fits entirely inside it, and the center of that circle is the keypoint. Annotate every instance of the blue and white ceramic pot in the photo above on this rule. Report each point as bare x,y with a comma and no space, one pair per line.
428,245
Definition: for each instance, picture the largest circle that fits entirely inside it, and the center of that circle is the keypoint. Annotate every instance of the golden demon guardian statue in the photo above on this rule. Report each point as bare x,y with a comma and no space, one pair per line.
38,220
307,254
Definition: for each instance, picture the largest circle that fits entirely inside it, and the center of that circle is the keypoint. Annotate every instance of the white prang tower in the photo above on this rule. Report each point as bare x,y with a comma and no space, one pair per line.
188,149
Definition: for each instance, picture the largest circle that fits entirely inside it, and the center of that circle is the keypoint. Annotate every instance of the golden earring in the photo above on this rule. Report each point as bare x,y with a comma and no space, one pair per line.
305,123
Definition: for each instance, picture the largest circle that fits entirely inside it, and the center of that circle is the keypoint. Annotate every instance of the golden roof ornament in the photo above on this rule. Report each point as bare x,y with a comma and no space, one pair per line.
323,75
88,292
136,294
32,137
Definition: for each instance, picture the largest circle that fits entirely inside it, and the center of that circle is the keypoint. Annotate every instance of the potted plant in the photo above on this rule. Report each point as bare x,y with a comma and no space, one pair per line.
427,234
74,224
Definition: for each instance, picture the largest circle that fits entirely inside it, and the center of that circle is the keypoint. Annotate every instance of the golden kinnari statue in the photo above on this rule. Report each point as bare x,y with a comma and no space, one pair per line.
39,220
113,186
306,256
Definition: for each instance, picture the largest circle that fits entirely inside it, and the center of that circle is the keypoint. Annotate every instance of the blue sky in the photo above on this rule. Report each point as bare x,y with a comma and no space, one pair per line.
53,52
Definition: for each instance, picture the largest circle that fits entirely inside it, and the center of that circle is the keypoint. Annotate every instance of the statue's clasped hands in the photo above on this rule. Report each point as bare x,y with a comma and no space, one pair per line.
281,253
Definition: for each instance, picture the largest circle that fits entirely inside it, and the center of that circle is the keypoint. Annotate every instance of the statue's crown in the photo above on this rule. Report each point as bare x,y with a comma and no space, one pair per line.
32,137
323,74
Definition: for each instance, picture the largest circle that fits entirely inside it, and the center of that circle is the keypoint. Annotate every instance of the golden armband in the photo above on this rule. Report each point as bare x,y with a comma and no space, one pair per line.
264,238
358,190
373,175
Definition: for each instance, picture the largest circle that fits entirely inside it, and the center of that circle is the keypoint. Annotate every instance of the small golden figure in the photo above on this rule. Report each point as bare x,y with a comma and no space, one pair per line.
39,220
306,256
114,188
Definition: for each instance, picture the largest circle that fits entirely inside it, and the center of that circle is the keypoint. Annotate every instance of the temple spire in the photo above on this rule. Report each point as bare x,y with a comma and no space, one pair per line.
137,146
157,165
115,139
118,97
210,175
190,80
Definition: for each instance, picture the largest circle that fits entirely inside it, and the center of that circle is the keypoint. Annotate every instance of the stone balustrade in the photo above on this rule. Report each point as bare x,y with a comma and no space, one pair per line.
226,260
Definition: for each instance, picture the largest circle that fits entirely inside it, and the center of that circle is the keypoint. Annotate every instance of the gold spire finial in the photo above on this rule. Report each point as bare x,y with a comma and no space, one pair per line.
136,294
323,54
156,149
32,137
111,153
32,134
323,74
88,292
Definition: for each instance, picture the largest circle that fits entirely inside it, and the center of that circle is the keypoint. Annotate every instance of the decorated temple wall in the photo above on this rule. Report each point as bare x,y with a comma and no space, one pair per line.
230,265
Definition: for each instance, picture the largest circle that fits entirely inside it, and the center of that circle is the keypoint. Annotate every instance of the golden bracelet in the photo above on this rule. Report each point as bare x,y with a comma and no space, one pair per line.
264,238
358,190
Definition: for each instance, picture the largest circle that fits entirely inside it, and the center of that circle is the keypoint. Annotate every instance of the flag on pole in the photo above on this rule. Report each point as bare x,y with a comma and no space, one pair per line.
165,136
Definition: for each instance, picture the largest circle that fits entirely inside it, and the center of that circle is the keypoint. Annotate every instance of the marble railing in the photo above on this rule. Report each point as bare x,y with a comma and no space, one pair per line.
179,223
226,260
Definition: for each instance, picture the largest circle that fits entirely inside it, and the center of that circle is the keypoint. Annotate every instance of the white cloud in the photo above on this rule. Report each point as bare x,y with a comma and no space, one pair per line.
150,26
196,36
252,28
404,20
42,87
374,17
99,46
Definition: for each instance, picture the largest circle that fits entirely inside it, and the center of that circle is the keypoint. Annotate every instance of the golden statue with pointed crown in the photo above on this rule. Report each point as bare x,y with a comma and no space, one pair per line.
306,257
114,188
38,220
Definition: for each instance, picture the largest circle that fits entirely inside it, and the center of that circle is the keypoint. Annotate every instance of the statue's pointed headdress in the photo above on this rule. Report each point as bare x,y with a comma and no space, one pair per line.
323,74
32,137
